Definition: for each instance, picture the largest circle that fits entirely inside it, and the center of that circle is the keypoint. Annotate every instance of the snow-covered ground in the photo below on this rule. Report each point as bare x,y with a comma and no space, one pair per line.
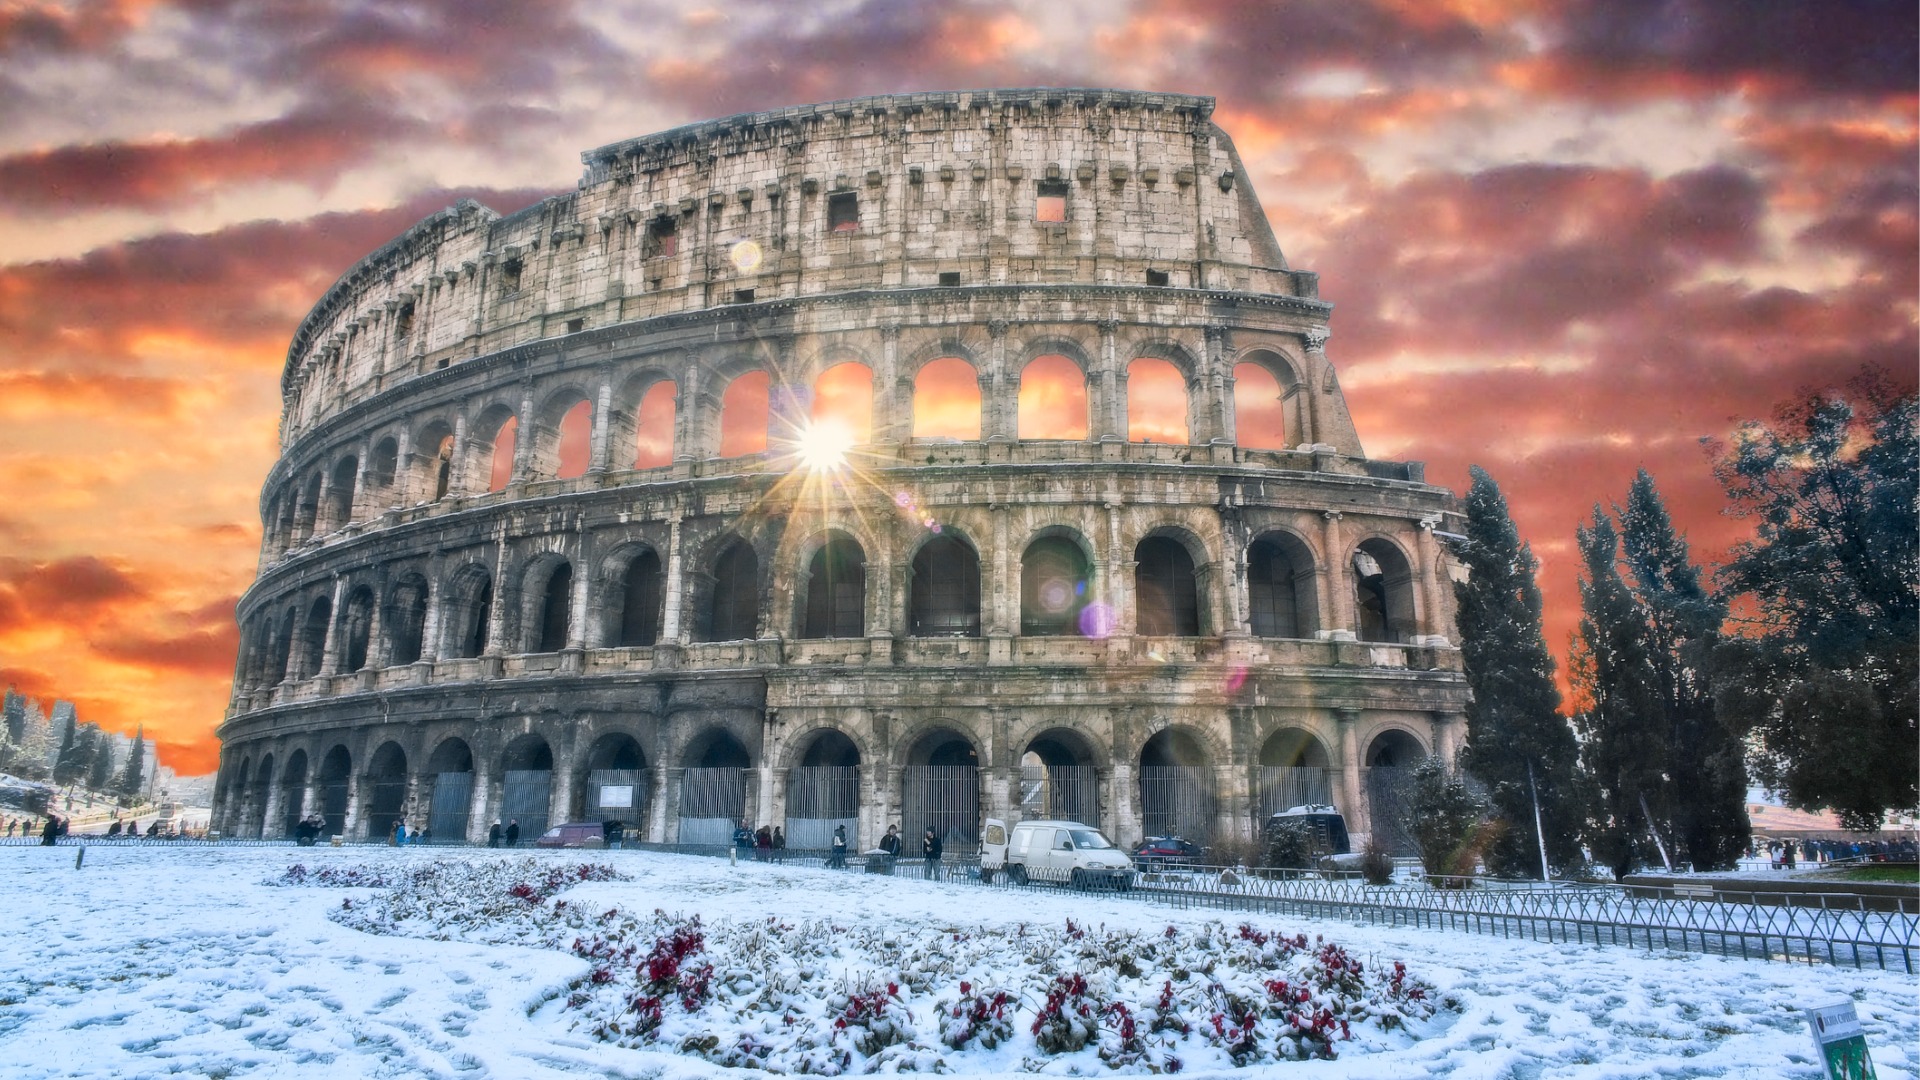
206,961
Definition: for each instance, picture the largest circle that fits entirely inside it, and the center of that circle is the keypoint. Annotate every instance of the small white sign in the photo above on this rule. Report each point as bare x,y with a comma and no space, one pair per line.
616,795
1840,1041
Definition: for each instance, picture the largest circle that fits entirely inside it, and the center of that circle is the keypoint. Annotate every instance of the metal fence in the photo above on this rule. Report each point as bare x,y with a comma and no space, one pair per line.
452,802
712,803
524,797
1177,800
1059,792
821,798
617,795
946,797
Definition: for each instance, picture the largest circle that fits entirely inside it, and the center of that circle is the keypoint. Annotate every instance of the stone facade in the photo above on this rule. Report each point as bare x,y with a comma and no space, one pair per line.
1157,636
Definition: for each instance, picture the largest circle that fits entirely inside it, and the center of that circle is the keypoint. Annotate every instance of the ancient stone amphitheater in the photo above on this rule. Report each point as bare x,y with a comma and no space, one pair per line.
863,463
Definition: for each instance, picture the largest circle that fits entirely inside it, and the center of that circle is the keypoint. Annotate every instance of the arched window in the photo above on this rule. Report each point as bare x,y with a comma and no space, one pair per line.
1280,599
282,653
500,468
1156,402
1053,587
1383,592
836,591
556,605
640,597
843,398
743,415
308,511
471,610
1259,409
340,495
313,642
945,590
653,427
735,614
946,400
1053,399
407,619
576,441
1165,596
359,628
383,462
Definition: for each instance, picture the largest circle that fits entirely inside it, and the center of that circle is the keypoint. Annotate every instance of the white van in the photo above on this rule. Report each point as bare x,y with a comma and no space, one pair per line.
1065,852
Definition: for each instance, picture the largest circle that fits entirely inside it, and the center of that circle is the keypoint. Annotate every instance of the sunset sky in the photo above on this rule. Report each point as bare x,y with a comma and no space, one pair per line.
1563,241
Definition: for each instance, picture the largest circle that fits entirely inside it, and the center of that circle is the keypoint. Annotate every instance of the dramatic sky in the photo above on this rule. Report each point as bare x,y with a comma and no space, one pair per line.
1564,240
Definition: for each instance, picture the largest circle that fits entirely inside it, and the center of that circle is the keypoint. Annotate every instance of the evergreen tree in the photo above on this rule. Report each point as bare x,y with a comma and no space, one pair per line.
100,769
1513,719
1705,760
1623,744
67,766
1450,824
1824,681
133,776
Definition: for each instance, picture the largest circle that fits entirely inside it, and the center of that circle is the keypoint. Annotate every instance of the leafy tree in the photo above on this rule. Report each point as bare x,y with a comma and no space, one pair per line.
1513,719
1823,679
1624,745
100,769
1705,760
133,777
1450,822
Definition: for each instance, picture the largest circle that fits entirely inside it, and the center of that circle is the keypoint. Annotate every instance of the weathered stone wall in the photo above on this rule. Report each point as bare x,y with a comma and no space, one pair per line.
423,345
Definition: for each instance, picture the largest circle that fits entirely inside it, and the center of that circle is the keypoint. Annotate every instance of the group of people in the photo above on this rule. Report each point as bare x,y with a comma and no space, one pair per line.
764,844
507,837
1785,854
931,848
399,835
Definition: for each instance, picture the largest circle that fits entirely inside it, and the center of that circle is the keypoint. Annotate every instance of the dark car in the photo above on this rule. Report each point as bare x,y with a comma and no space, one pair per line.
574,834
1158,852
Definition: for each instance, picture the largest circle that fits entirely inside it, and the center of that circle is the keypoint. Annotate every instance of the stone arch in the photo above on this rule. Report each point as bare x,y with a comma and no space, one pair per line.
546,603
1394,747
732,612
1177,790
313,637
306,515
943,587
492,439
613,781
1383,587
467,611
386,789
356,629
1056,583
842,397
940,786
745,413
279,663
526,784
645,410
406,618
1295,769
635,596
823,789
1052,403
1166,586
1060,768
1279,401
340,490
832,600
945,400
713,785
447,790
1282,600
1154,413
383,463
256,824
293,787
432,464
562,446
335,782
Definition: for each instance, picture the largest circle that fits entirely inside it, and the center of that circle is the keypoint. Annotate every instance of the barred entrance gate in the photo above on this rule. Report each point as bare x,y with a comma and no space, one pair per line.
452,803
334,769
618,795
946,797
294,786
712,802
385,804
525,795
1060,792
1177,800
1389,808
821,798
1286,788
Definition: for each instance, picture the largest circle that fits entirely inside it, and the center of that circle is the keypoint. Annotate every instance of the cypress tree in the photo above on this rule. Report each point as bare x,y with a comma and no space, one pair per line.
66,764
1623,747
133,776
100,768
1705,761
1513,719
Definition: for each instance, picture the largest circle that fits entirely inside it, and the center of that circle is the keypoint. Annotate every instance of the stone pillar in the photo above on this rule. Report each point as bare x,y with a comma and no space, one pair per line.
1338,600
602,440
1112,419
433,618
1355,809
524,437
1314,414
777,796
479,817
1000,389
1118,588
688,445
336,629
888,414
670,631
350,821
666,808
1433,598
379,650
1219,409
502,596
458,466
1448,730
1003,595
583,629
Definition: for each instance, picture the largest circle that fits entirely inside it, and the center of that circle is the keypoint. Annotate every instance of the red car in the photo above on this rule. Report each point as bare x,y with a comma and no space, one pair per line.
574,834
1158,852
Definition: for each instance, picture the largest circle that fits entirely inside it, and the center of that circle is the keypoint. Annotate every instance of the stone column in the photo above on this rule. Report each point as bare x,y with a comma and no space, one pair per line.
458,466
687,442
350,821
583,630
433,617
1432,621
670,631
887,411
378,648
1000,389
1118,588
1448,730
479,818
1316,342
1348,721
1338,598
602,441
336,629
1112,419
1219,409
502,596
524,437
665,828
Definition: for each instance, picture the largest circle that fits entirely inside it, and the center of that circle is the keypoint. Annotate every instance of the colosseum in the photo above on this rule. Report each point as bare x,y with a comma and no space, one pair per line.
876,462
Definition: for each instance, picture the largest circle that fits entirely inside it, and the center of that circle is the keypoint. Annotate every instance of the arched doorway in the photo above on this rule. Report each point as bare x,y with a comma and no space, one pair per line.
823,792
1176,787
1294,771
387,790
336,771
941,787
293,784
713,788
1383,593
1390,760
1280,593
256,824
617,782
1058,779
1166,597
1054,586
835,604
944,590
734,614
450,803
526,785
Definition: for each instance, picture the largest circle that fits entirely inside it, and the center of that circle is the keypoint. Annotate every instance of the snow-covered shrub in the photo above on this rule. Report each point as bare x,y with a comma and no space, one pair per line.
1068,1018
985,1016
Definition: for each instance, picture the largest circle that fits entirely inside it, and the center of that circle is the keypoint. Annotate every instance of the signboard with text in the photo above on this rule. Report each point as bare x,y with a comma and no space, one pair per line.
1841,1041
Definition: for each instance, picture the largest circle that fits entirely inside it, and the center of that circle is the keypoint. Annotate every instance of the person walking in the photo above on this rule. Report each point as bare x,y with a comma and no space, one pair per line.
763,844
742,840
779,845
837,858
930,850
50,832
513,833
495,835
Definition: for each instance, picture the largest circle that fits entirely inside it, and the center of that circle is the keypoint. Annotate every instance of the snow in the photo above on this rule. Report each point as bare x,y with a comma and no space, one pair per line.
151,961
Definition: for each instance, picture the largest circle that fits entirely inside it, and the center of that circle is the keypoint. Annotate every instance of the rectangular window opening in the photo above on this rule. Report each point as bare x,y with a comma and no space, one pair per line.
743,296
510,276
1157,277
1051,204
949,277
662,237
574,326
843,212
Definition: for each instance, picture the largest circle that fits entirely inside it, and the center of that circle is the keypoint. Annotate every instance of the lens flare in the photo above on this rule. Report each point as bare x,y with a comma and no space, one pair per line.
1097,620
823,447
745,256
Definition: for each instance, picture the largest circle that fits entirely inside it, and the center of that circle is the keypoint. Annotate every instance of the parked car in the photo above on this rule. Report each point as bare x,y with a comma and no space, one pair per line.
574,834
1066,852
1158,852
1327,842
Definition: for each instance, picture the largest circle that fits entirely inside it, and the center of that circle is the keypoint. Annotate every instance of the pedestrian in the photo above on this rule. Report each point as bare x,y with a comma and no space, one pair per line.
50,832
762,844
513,832
494,835
113,830
890,843
930,850
396,834
779,845
1786,849
743,840
837,860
